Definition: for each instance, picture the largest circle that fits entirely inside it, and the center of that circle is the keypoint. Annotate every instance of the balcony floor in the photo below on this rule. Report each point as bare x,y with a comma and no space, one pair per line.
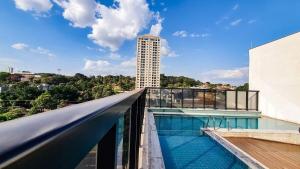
274,155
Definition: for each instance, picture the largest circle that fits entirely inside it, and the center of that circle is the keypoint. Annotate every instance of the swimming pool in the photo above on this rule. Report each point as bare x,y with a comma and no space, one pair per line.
195,122
185,146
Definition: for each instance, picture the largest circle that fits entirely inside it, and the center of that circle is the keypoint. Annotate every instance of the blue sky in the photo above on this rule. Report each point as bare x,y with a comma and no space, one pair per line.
204,39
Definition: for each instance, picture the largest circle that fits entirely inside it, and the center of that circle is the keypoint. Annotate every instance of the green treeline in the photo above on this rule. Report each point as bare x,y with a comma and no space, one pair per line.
51,91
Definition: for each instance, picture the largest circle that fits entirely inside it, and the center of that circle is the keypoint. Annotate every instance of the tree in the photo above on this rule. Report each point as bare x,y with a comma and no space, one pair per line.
44,101
4,77
65,92
97,91
13,114
244,87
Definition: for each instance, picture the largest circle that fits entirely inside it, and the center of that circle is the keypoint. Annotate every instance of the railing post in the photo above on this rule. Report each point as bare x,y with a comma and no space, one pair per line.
149,101
159,97
171,99
203,99
247,94
215,102
236,100
106,150
257,100
225,100
133,137
193,95
182,98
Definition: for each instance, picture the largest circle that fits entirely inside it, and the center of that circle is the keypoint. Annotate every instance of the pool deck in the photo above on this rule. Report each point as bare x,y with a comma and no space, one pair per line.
274,155
283,136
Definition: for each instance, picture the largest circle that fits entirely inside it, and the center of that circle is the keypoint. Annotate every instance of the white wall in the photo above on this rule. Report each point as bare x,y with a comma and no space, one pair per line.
274,70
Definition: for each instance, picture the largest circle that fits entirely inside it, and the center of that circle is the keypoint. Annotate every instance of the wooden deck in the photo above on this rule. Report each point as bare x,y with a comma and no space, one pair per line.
272,154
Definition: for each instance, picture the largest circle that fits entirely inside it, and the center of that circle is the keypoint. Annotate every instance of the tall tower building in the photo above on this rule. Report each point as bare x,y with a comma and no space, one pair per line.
148,61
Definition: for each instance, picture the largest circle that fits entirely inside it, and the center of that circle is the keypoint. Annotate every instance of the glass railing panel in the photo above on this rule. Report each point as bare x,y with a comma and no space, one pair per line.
89,161
148,98
165,97
154,97
177,96
252,100
209,99
220,99
230,100
242,100
187,98
122,160
199,99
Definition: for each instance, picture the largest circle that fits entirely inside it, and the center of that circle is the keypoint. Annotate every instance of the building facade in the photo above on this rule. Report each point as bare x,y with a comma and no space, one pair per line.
274,70
148,61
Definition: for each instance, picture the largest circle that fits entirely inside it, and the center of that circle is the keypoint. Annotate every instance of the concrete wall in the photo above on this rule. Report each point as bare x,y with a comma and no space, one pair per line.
274,70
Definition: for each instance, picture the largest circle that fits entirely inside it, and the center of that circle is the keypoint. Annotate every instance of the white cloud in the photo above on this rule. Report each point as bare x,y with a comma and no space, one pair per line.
38,50
226,75
221,20
129,63
42,51
38,6
19,46
96,49
157,28
165,49
251,21
114,56
81,13
184,34
98,65
110,25
236,22
181,33
119,23
104,67
196,35
235,7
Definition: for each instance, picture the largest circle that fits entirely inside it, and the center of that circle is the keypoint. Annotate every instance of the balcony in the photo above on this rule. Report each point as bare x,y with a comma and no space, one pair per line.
135,130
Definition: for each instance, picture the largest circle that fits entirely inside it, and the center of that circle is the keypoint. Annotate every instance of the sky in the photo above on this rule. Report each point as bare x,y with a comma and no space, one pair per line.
207,40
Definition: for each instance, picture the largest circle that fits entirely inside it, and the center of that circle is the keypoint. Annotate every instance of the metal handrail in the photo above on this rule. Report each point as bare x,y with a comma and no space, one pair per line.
61,138
206,126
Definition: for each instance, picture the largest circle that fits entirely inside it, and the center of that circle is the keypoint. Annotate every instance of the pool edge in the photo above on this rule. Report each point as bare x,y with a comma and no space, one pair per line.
240,154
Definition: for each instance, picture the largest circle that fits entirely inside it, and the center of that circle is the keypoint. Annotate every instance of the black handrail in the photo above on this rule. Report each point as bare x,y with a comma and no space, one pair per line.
61,138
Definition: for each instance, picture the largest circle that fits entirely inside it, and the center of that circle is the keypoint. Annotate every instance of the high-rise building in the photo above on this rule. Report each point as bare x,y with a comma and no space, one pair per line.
10,70
148,61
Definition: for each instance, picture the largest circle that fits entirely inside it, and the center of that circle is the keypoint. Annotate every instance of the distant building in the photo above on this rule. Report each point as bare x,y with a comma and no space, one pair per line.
23,76
3,88
44,87
274,70
10,70
26,76
148,61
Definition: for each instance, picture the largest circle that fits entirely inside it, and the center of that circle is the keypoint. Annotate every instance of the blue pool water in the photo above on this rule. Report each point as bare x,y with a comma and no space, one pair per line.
195,122
185,146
